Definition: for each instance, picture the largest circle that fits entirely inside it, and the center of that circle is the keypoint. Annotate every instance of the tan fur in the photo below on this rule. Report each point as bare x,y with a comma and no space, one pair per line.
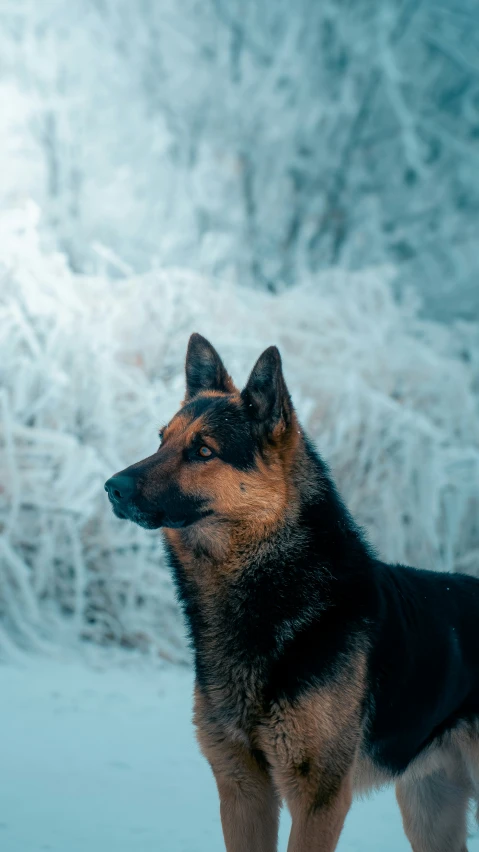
246,505
309,751
303,753
313,760
434,806
462,741
435,790
318,830
255,498
251,497
249,802
312,744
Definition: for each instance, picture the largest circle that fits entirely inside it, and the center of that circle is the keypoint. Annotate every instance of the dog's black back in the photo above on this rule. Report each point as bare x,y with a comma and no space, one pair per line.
424,667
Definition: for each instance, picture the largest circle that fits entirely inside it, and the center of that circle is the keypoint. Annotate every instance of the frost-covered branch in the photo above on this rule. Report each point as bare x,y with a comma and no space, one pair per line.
90,366
258,142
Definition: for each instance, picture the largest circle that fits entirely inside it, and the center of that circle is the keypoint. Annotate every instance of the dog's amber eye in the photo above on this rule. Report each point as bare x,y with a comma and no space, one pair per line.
204,452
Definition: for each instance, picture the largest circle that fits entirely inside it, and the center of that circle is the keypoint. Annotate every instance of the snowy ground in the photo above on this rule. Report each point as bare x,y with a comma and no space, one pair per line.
105,759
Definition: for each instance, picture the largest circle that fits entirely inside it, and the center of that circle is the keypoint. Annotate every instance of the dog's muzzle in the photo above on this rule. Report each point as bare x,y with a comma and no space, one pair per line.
123,495
120,488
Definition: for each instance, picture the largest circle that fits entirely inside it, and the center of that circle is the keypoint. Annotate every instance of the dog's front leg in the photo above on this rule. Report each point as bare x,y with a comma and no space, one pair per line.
249,811
312,754
249,805
318,820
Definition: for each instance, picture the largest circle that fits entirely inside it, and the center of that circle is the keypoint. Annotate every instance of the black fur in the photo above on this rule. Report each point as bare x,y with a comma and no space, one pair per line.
421,627
314,592
230,426
204,368
265,396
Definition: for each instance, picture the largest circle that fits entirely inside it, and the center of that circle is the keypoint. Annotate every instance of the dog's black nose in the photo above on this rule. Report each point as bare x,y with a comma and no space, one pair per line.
120,487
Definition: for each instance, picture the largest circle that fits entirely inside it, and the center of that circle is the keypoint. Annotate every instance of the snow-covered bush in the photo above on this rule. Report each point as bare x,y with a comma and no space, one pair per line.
90,367
251,140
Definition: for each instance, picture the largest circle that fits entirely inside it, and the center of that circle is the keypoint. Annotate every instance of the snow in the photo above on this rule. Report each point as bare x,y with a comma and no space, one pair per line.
98,756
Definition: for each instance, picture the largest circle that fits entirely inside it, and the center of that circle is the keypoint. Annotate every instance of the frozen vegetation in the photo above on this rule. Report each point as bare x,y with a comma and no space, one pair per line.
258,142
189,159
91,366
261,173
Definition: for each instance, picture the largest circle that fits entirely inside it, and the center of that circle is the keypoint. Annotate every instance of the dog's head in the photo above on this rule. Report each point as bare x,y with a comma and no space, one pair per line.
224,455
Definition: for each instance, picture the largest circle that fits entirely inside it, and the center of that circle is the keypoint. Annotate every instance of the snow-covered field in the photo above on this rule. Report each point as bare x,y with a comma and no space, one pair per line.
95,759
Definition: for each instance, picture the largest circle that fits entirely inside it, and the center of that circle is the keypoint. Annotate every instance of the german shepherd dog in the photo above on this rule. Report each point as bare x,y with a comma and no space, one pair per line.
320,670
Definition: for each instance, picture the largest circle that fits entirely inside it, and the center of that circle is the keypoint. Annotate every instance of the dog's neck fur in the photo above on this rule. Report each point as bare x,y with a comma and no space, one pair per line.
213,559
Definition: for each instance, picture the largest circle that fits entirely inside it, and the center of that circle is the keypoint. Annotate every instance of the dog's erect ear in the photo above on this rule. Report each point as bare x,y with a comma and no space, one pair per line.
204,369
266,396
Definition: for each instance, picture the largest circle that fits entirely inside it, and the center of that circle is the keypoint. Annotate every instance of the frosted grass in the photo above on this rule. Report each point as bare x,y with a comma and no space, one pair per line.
90,367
